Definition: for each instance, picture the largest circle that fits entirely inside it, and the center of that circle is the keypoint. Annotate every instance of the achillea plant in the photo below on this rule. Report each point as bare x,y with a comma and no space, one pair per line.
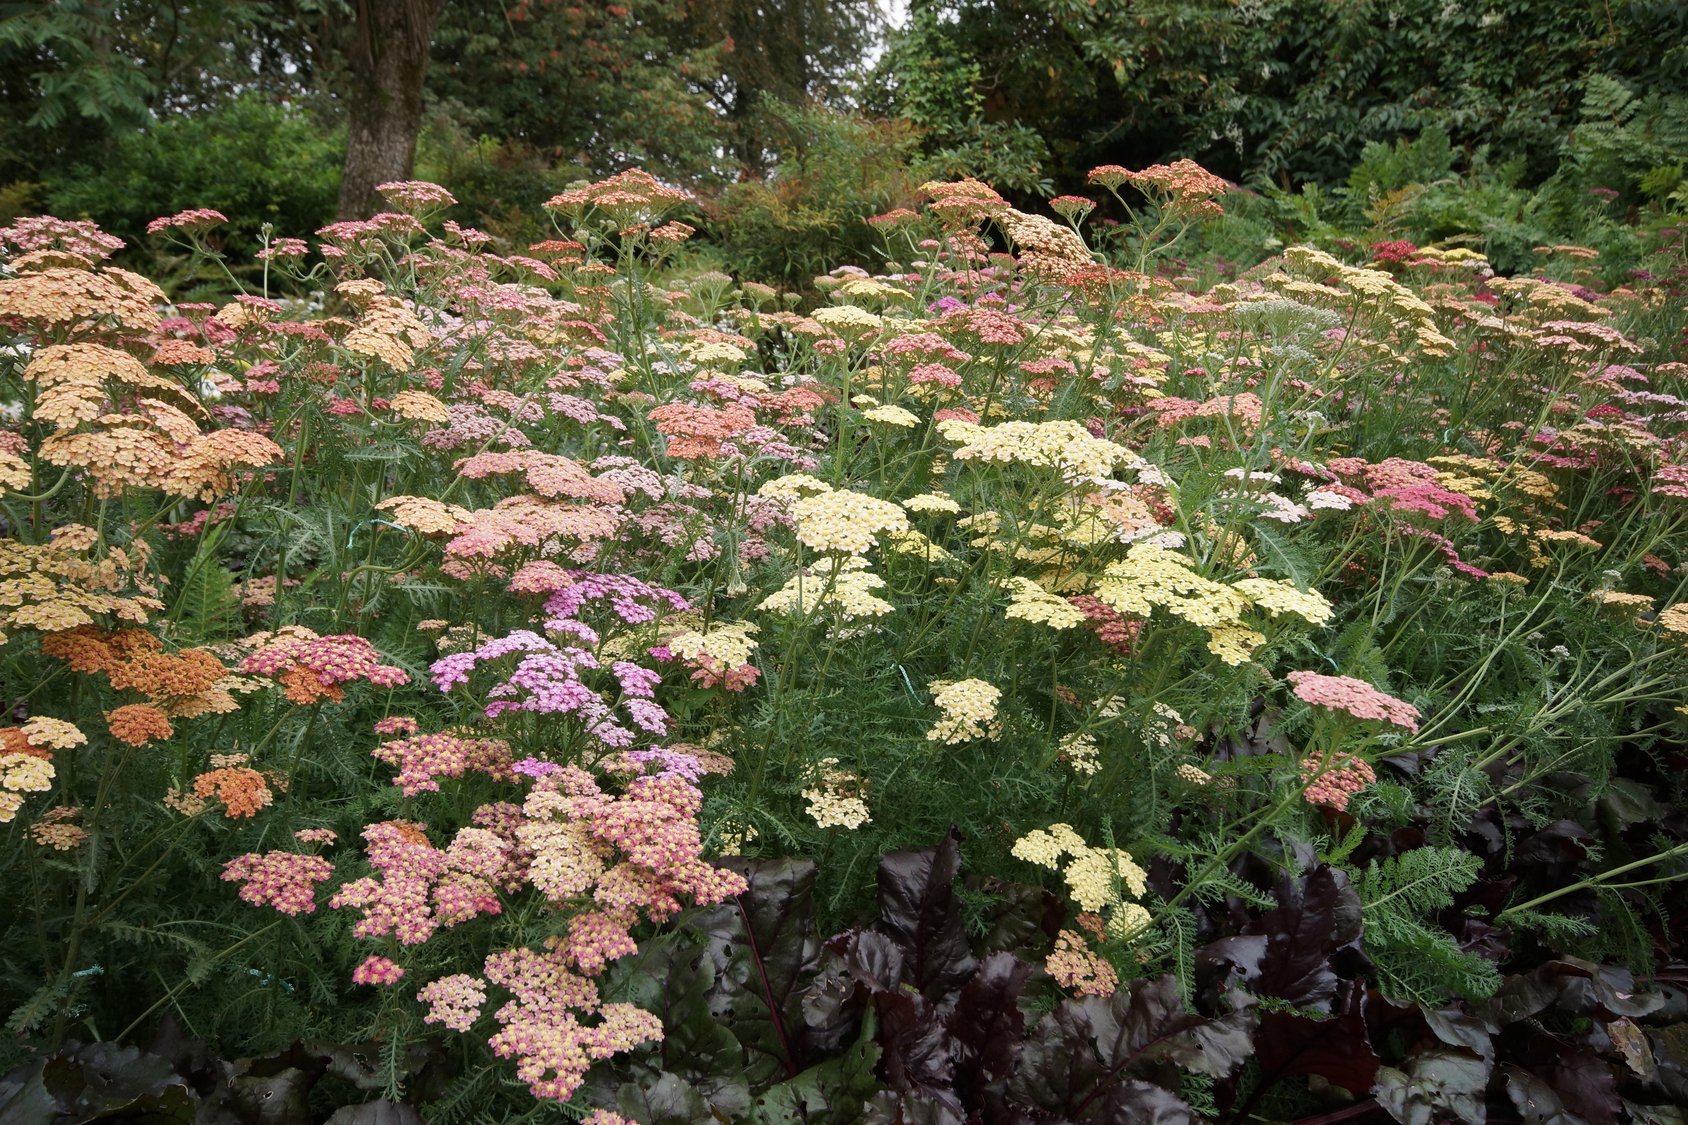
530,570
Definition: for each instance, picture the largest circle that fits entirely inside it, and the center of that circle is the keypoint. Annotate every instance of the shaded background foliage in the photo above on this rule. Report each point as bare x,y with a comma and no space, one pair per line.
1493,118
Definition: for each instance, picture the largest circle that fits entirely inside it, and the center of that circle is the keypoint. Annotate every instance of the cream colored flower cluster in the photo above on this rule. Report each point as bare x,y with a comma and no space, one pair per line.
845,586
1153,575
835,801
1031,602
841,520
969,708
730,644
1371,289
1065,445
1097,879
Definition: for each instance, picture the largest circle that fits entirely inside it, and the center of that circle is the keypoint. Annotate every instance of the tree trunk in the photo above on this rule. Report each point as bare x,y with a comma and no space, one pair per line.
387,65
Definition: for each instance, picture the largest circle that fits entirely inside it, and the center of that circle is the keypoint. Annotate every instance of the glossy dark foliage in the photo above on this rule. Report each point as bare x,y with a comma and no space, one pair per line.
922,1016
176,1080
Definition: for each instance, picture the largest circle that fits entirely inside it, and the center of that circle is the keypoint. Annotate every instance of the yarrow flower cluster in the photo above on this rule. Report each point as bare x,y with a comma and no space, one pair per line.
1334,779
284,880
1353,697
836,798
969,711
1097,879
313,668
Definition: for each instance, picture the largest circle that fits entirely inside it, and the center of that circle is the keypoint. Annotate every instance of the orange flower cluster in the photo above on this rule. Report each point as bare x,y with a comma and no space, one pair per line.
696,432
138,724
241,789
386,330
963,203
1046,250
179,685
627,197
60,298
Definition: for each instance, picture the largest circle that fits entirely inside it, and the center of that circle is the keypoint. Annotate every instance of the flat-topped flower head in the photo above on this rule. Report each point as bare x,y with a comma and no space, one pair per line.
845,521
415,196
1353,697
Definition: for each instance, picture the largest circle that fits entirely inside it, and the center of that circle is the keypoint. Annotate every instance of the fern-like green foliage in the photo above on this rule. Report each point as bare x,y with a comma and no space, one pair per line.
207,609
1417,960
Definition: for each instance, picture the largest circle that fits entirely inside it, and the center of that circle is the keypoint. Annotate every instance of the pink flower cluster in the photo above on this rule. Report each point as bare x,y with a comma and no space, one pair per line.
454,1001
541,1024
1353,697
284,880
425,758
334,660
422,887
192,221
547,681
378,971
1333,781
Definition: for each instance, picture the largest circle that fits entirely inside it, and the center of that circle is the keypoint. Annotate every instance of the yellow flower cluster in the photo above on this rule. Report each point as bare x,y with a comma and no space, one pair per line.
52,734
911,542
1097,878
730,644
1153,575
841,520
1031,602
932,502
793,486
1277,596
835,801
1065,445
420,406
1372,289
46,587
969,708
848,320
386,330
893,416
19,774
845,586
1080,752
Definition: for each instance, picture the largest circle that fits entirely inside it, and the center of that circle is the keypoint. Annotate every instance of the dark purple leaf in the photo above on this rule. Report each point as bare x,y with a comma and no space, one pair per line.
1536,1100
918,910
1317,919
670,1100
987,1024
1583,1081
1458,1028
1087,1058
1336,1048
765,949
1437,1086
379,1112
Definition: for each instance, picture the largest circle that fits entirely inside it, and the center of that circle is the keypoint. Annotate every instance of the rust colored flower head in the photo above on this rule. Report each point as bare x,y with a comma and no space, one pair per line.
241,789
138,724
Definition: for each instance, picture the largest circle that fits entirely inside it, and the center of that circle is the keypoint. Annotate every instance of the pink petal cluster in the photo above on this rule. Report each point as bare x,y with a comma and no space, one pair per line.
1353,697
1333,781
454,1001
339,659
377,971
284,880
541,1024
425,758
